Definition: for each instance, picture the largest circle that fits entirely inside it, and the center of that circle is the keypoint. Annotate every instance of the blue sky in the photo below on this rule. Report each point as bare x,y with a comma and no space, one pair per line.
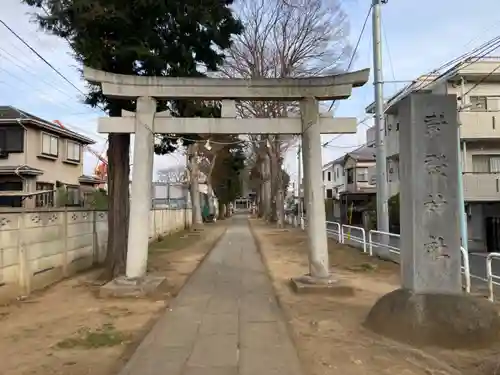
419,36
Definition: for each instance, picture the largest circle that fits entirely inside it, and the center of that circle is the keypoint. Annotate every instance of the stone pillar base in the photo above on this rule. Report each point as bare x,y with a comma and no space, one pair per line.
123,287
310,285
444,320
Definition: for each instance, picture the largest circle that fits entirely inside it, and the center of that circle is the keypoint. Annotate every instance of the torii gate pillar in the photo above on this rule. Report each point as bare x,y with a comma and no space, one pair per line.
315,200
140,197
145,123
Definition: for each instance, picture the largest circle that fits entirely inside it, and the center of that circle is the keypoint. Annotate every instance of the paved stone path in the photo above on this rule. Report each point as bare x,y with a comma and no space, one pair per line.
225,321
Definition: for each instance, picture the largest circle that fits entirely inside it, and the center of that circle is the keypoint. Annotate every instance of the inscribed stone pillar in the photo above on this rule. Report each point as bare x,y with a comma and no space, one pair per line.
430,231
142,178
314,199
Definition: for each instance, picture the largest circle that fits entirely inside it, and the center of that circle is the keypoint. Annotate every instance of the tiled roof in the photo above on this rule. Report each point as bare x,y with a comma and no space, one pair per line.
363,153
12,113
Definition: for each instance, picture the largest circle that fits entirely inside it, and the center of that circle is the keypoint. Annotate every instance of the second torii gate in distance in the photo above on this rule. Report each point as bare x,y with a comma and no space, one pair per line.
145,122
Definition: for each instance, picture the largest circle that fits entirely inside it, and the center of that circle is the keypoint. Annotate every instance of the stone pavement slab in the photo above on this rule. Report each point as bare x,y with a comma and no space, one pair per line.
225,321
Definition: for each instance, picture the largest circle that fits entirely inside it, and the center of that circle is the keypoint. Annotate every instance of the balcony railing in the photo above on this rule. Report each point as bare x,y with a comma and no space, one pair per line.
481,186
479,125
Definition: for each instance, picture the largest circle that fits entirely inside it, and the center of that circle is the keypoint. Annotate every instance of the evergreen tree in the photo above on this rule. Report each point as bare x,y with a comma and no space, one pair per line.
227,174
138,37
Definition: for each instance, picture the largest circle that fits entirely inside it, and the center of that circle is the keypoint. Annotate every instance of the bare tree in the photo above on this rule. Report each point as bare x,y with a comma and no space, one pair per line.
193,176
208,157
284,38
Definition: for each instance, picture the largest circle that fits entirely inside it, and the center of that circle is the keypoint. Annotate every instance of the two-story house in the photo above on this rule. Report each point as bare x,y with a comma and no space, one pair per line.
38,157
346,180
356,166
359,193
333,178
477,86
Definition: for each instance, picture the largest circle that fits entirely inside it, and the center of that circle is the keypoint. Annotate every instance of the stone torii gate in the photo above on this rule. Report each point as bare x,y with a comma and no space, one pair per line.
145,122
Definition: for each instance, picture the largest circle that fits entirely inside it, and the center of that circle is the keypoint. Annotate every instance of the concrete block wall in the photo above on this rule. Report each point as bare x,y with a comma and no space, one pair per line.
40,247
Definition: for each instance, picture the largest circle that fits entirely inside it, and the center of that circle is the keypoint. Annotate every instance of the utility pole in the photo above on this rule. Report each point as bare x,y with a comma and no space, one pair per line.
381,165
461,157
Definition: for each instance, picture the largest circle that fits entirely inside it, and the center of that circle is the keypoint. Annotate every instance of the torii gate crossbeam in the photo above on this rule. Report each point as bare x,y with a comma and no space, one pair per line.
145,122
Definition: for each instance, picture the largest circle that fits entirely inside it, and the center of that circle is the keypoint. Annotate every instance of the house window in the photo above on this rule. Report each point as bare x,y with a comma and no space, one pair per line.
50,145
495,164
486,163
73,151
45,199
362,174
329,193
478,103
350,176
12,139
323,175
329,176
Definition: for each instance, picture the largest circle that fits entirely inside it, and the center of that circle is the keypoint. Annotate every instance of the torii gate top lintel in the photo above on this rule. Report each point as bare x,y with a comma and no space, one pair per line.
330,87
144,124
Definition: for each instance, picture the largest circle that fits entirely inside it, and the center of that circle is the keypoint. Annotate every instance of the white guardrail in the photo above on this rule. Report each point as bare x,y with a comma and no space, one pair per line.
344,234
392,249
492,279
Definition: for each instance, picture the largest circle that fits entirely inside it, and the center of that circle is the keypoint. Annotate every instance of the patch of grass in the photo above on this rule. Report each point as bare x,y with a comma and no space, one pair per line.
176,241
106,336
116,312
363,267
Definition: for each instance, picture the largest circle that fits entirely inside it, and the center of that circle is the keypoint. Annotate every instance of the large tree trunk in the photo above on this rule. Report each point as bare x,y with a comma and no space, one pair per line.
210,197
280,203
280,195
274,164
210,192
267,189
261,194
194,177
258,198
272,183
119,202
222,211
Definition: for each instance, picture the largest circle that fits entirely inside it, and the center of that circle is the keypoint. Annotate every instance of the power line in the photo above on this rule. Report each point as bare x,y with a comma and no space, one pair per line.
391,65
343,147
29,86
41,57
12,59
476,54
356,47
482,80
362,122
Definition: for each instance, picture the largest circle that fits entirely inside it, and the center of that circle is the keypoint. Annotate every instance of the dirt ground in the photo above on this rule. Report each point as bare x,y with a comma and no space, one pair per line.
328,330
67,330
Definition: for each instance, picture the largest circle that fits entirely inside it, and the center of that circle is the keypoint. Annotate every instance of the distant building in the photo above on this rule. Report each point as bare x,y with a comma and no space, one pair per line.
477,86
346,182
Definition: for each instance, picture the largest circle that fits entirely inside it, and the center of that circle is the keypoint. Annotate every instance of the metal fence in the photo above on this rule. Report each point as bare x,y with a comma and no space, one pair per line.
492,279
482,268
